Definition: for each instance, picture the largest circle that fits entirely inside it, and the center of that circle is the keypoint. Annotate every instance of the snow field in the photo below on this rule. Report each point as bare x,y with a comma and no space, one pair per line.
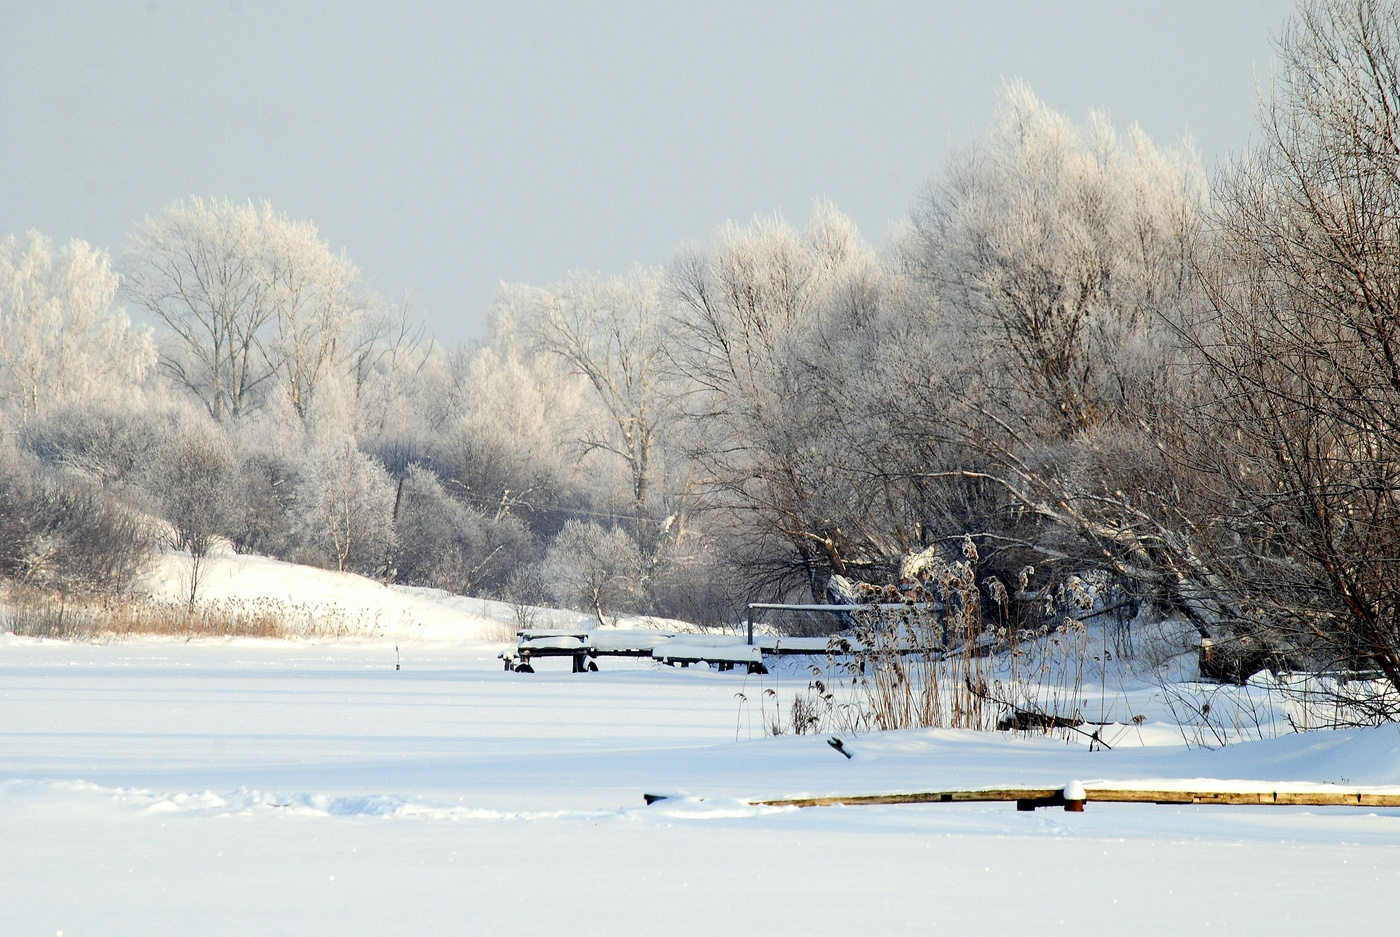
160,787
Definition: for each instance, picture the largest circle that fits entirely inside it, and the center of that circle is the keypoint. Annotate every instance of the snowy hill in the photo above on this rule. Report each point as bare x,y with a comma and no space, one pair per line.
371,610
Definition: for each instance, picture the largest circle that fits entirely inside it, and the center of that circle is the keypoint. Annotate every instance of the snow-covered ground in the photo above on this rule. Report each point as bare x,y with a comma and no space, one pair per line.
155,787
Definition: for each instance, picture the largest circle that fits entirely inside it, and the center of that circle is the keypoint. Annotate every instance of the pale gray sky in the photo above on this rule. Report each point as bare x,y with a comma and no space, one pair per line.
448,146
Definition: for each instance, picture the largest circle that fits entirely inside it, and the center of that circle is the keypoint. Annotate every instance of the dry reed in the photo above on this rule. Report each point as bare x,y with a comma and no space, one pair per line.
29,613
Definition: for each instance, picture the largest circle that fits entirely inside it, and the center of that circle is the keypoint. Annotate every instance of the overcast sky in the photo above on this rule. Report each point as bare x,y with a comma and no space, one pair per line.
449,146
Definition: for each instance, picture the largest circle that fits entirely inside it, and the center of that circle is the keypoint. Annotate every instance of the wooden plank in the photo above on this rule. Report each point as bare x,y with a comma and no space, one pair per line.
1055,797
1315,798
921,797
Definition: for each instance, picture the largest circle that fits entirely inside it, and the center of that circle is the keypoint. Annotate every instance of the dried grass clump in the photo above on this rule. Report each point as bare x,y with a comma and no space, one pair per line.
922,657
31,613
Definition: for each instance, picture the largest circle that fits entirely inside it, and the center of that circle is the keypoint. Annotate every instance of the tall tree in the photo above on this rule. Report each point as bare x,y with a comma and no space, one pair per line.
610,333
61,342
1061,254
255,302
1304,347
767,319
1062,258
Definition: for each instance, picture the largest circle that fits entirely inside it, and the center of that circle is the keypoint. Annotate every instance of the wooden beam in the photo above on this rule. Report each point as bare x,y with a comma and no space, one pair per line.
1029,798
923,797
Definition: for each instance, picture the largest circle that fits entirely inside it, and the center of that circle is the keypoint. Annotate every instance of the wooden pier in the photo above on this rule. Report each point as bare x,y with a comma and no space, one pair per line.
1030,798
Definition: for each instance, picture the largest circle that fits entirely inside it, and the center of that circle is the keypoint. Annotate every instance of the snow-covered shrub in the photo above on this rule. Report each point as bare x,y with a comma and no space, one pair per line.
345,502
592,568
111,445
265,487
443,543
194,476
66,534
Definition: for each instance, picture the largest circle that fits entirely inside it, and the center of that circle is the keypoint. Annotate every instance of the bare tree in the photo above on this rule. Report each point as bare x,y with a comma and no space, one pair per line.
253,301
196,481
1304,346
610,332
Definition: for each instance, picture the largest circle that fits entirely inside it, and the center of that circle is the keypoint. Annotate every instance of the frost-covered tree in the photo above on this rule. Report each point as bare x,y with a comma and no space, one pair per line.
346,503
592,568
393,376
611,333
256,304
767,319
1062,260
506,422
61,342
444,543
1061,254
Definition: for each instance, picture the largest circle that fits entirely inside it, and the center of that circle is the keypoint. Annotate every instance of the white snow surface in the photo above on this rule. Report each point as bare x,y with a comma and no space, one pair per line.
164,787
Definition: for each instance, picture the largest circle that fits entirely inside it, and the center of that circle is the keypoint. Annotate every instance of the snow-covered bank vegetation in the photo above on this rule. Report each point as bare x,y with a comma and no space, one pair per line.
1081,359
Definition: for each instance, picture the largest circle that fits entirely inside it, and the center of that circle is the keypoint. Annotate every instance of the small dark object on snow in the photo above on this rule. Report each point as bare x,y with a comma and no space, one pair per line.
1236,659
839,745
1024,720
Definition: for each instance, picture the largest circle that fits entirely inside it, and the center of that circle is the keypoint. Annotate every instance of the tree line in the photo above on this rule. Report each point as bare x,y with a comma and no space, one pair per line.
1080,352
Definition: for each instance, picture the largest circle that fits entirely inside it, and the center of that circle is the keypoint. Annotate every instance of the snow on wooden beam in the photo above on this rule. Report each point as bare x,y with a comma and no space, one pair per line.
1029,798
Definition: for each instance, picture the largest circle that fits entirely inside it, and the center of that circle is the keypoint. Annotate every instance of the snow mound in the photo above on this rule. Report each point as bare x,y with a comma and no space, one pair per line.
369,609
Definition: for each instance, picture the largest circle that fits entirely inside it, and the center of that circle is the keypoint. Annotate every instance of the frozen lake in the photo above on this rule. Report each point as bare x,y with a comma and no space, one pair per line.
159,787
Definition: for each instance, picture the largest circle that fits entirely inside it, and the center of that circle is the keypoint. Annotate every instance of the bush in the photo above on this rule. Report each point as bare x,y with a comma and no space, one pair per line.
110,446
264,487
593,569
345,503
66,534
443,543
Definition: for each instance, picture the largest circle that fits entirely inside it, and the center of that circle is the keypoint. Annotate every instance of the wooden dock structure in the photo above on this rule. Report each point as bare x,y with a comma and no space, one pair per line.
1029,798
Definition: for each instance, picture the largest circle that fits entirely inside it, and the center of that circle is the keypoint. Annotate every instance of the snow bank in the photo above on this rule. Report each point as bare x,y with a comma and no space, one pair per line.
371,610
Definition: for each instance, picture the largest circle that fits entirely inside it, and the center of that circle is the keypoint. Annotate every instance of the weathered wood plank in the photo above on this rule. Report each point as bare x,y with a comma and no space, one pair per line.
1055,797
921,797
